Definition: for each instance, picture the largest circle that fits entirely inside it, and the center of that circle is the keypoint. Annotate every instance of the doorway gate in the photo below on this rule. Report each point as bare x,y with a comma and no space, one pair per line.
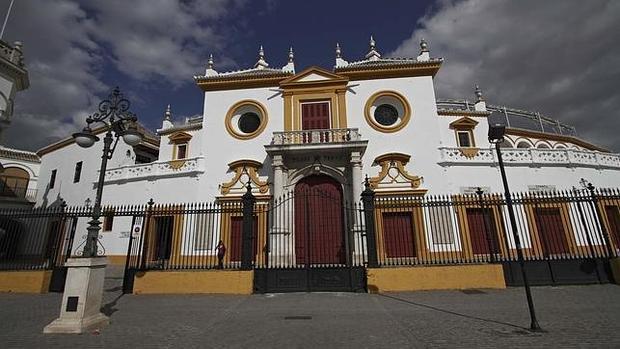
315,242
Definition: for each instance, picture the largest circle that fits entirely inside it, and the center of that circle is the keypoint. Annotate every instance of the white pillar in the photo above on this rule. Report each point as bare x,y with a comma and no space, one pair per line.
278,176
356,176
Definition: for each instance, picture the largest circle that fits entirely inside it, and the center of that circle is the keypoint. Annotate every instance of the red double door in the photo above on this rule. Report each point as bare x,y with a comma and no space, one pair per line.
315,116
319,233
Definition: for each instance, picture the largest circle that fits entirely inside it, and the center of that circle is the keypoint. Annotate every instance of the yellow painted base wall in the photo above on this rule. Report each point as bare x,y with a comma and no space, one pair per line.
183,282
615,269
435,278
116,259
31,281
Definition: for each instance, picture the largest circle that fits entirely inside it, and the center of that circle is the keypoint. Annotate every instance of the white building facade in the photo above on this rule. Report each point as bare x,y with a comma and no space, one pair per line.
378,117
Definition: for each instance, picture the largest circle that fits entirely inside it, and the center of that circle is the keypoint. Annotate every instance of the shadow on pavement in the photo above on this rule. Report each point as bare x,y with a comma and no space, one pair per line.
455,313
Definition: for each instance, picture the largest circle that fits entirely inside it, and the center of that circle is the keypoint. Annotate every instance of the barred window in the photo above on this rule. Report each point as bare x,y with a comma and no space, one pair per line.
440,219
205,231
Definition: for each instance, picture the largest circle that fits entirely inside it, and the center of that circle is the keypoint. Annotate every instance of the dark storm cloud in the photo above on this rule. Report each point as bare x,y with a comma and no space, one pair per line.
561,58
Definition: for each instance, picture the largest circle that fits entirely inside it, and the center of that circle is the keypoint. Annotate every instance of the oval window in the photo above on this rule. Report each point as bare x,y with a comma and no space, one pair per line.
386,114
249,122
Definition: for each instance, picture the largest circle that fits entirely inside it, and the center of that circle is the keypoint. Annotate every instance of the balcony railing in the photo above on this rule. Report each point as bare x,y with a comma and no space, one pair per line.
17,192
328,136
531,157
156,169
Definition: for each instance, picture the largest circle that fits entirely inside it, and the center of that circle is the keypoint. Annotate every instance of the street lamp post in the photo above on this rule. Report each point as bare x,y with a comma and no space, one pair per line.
496,136
81,304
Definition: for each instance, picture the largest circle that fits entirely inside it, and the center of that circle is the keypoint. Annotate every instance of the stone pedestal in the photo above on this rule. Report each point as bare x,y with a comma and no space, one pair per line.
81,301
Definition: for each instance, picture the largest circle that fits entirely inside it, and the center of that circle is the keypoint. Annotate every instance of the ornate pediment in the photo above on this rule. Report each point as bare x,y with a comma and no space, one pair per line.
464,123
313,75
393,177
243,171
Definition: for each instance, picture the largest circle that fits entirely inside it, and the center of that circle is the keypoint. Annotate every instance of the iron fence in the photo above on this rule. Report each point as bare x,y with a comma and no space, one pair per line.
296,232
456,229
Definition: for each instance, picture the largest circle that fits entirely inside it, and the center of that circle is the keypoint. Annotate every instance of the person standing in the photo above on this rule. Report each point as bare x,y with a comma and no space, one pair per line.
221,252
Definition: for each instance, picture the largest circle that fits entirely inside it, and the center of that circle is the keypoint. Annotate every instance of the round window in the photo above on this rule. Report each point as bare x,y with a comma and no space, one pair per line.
386,114
249,122
387,111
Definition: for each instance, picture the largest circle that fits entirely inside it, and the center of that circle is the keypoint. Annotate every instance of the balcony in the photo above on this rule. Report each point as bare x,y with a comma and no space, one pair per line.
305,140
18,193
531,157
157,169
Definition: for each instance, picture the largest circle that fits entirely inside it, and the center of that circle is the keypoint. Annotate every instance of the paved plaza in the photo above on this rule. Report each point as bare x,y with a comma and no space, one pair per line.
573,316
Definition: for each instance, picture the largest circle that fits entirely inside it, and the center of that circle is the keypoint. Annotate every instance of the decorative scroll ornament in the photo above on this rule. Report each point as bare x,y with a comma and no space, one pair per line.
244,171
393,176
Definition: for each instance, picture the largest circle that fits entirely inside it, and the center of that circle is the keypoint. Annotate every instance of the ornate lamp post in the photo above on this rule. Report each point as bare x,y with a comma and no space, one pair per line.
85,274
114,114
496,136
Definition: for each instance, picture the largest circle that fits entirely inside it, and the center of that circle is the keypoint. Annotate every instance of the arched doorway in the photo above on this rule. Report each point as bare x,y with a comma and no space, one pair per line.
319,233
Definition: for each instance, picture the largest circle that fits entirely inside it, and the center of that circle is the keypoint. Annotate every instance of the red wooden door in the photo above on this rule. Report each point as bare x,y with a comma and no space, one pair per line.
613,217
315,116
398,235
551,230
319,236
236,238
482,235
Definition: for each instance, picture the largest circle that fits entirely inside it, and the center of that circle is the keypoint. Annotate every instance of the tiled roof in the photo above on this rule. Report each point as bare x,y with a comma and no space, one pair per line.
388,62
16,154
244,74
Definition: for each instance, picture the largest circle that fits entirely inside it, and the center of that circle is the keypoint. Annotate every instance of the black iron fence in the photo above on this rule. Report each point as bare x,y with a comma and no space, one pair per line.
314,230
455,229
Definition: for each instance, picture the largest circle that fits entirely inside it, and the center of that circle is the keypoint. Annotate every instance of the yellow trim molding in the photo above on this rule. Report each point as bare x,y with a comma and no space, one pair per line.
249,167
393,176
331,88
262,115
404,119
398,71
554,137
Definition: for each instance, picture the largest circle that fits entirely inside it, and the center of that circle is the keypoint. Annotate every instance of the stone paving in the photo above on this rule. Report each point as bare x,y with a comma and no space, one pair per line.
573,317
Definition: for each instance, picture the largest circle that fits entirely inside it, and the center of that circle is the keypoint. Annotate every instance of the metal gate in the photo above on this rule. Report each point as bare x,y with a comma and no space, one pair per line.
316,242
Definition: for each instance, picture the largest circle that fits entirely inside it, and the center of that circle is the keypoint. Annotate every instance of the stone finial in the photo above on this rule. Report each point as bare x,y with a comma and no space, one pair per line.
339,61
261,63
480,104
168,113
290,66
167,123
210,64
18,45
424,53
291,55
478,93
373,54
423,46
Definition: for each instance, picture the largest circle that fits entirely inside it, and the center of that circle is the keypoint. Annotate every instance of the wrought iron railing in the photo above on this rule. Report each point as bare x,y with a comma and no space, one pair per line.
407,230
17,192
337,135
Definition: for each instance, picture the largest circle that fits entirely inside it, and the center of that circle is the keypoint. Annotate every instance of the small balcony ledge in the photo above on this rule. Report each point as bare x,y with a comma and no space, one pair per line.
316,140
157,169
531,157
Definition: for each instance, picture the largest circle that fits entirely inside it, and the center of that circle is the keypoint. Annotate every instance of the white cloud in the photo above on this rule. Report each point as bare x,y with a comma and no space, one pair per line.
67,44
559,58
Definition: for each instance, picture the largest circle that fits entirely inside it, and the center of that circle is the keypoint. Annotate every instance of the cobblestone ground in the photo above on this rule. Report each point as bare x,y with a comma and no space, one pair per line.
573,316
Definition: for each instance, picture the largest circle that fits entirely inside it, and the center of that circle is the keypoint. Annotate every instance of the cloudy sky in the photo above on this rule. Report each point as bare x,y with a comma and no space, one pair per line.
560,58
